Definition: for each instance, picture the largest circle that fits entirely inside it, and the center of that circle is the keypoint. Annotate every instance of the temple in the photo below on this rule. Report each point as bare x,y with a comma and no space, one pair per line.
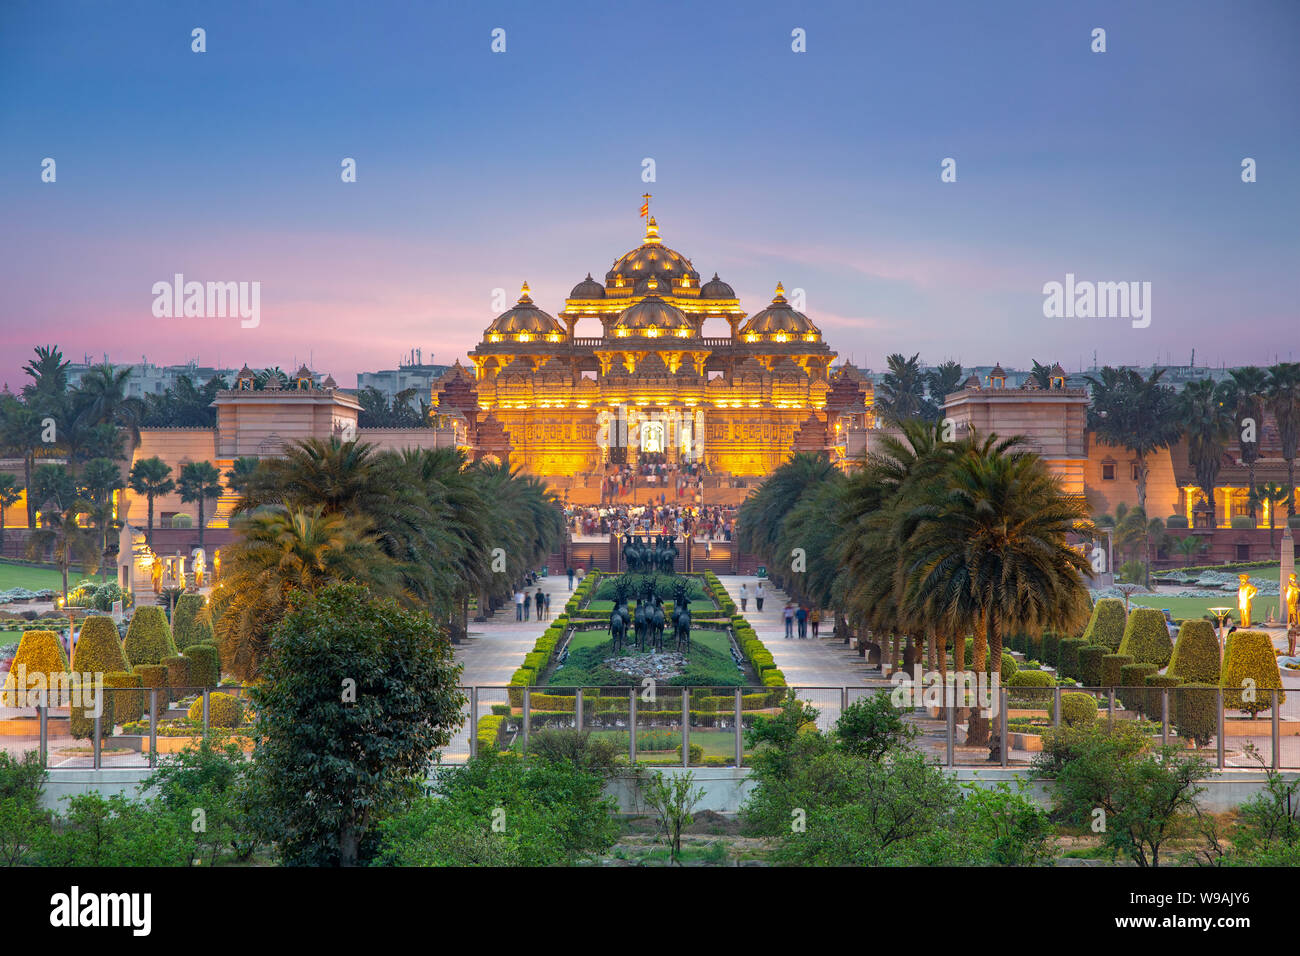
565,407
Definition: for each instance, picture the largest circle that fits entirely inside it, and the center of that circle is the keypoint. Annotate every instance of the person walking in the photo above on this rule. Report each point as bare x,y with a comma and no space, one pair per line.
541,600
801,615
519,605
788,613
758,595
744,599
815,618
570,579
528,603
547,606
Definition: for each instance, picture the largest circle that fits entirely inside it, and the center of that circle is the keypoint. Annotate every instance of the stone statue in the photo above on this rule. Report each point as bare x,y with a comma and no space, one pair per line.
1245,598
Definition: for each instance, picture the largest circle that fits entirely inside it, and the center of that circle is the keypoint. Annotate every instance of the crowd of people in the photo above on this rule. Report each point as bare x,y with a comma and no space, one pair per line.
798,616
709,524
655,475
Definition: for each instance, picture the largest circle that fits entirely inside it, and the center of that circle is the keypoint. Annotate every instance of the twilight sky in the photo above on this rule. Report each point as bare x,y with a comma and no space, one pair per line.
477,170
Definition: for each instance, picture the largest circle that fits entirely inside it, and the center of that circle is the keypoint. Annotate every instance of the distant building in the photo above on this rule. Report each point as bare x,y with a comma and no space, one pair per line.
413,373
149,379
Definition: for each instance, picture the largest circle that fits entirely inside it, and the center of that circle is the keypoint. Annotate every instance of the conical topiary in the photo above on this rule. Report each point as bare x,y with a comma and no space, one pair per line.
1196,654
192,622
1250,673
44,666
99,648
1146,637
149,637
1106,626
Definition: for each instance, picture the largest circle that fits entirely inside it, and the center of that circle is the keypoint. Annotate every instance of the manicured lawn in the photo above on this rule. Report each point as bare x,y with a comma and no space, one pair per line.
34,579
1182,608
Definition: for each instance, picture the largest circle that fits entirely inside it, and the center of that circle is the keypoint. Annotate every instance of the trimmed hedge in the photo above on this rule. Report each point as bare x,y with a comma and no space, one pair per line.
1111,665
1050,648
1107,624
1090,664
1156,683
1194,712
39,652
128,704
1077,709
205,664
489,732
1195,659
81,719
1032,685
1249,658
192,622
1068,656
148,637
99,648
178,675
1133,676
1146,637
224,710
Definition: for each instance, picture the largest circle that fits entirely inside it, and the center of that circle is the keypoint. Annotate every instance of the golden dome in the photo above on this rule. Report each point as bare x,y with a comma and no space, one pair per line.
652,315
652,257
779,317
524,317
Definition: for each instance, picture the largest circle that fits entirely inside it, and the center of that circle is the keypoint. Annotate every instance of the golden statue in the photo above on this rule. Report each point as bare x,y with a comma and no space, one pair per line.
216,565
200,565
1292,602
1245,597
156,574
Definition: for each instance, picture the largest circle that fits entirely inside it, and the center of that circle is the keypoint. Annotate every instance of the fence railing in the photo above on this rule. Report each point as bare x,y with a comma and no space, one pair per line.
693,726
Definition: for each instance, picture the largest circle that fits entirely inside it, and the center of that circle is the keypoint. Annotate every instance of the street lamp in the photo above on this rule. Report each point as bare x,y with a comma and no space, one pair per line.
1222,614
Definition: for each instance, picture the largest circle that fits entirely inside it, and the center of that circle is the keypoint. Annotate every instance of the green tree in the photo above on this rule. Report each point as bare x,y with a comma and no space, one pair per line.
359,694
1134,412
902,388
241,473
59,532
100,480
1243,394
200,482
1207,425
673,800
941,381
22,431
1270,495
151,477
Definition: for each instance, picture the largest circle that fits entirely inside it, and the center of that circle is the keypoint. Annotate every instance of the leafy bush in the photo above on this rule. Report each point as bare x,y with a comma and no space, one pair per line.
1051,646
872,726
1076,709
1195,658
148,637
224,710
217,781
1250,672
192,622
1111,665
1156,686
1090,664
205,664
115,831
1146,637
1106,626
1032,685
1176,522
40,657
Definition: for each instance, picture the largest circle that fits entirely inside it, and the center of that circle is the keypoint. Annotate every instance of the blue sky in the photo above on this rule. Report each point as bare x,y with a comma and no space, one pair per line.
479,170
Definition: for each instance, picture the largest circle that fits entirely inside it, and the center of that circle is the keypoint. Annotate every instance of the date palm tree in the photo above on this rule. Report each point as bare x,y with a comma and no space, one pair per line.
1244,395
200,482
59,532
240,473
22,431
1207,423
760,516
1283,397
902,388
1270,495
151,477
102,399
100,479
279,552
1136,413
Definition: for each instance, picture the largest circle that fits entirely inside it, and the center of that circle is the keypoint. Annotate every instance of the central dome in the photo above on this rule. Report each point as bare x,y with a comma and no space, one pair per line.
651,258
652,315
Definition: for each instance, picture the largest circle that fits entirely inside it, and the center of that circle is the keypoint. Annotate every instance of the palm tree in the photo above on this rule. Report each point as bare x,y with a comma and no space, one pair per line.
240,473
1041,374
22,431
902,388
10,493
989,549
102,400
1189,547
941,381
47,391
1207,423
1283,398
59,532
1244,395
760,516
277,553
1136,413
99,480
332,473
200,482
151,477
1272,495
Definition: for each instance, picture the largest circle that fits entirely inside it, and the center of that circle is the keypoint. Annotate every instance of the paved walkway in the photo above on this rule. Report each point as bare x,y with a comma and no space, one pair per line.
495,648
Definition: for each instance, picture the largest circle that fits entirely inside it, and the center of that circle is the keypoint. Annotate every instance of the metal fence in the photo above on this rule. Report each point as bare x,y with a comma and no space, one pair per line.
697,726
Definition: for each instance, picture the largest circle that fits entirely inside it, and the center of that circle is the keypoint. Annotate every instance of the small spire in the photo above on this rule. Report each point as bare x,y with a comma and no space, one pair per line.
780,293
523,293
